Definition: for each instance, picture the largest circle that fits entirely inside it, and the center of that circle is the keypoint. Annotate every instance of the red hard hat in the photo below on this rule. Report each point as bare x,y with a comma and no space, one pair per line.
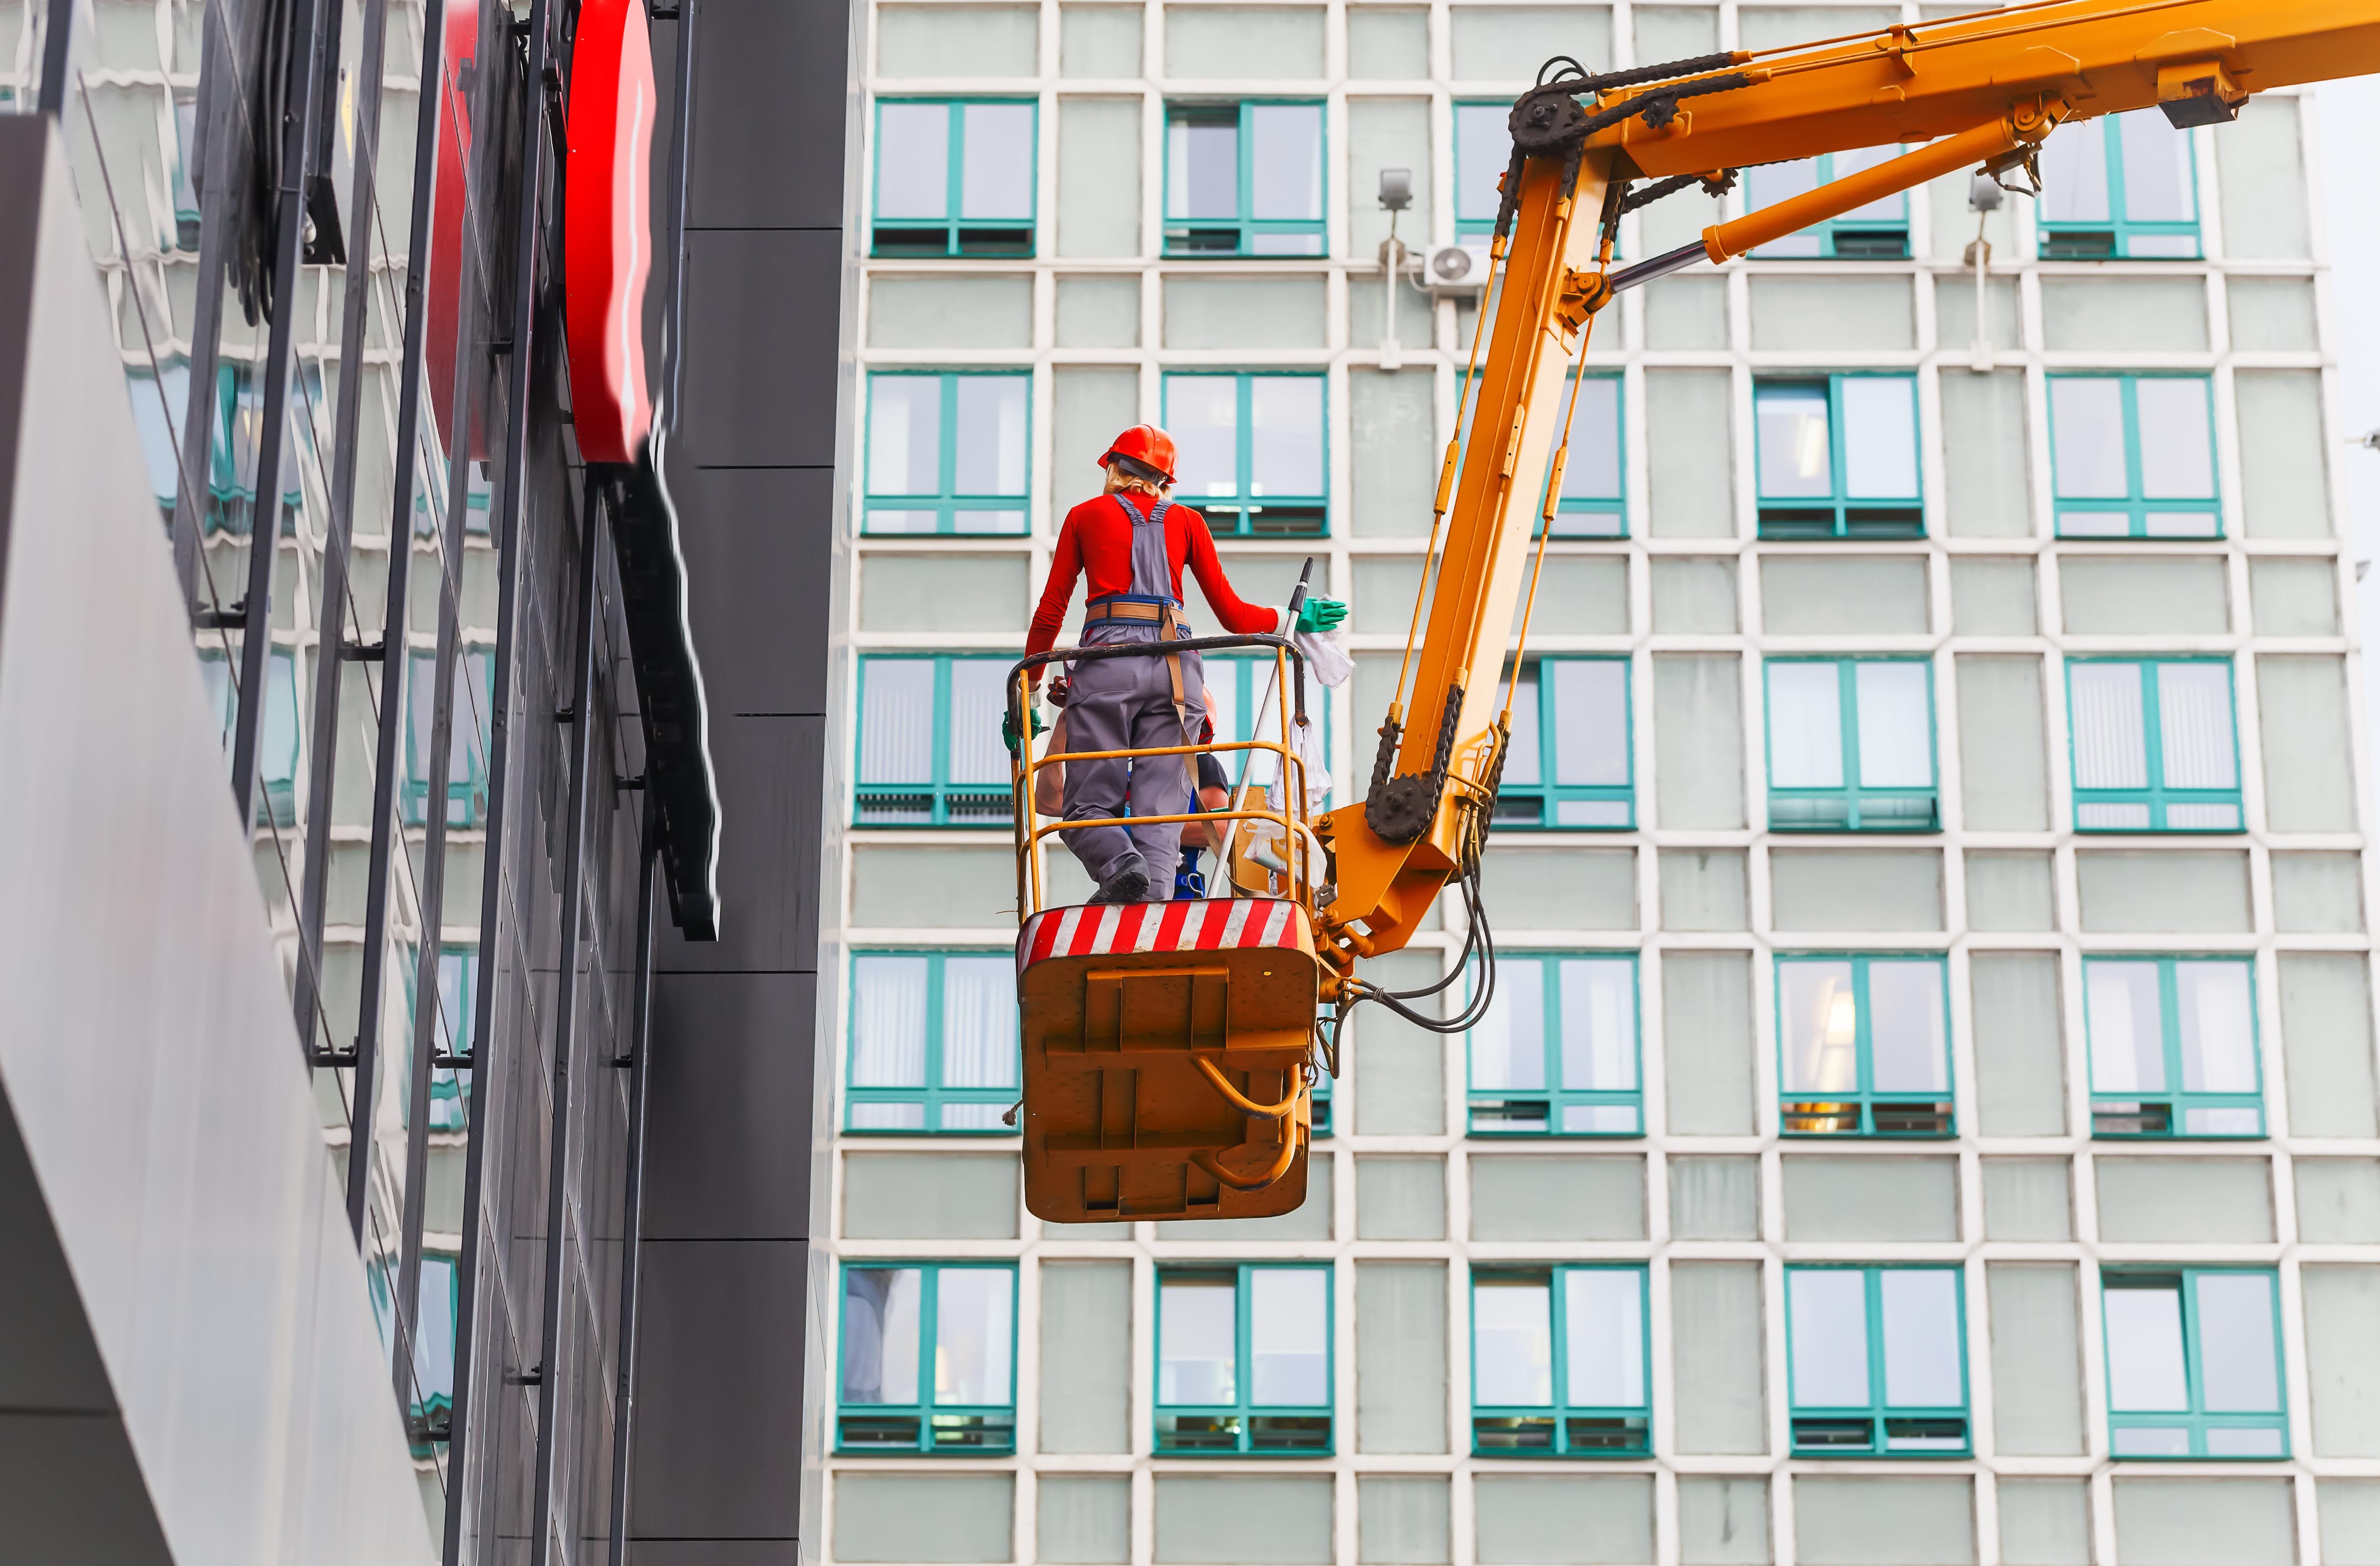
1147,445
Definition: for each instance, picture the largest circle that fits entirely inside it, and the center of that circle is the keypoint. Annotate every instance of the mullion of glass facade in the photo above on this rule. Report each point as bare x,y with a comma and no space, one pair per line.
1836,456
2133,456
1243,1360
2156,744
1864,1046
928,1359
466,767
1254,451
930,753
1245,178
1558,1053
948,452
1560,1362
1877,1361
2119,188
2173,1047
1570,764
954,176
1851,744
1878,231
2194,1364
933,1043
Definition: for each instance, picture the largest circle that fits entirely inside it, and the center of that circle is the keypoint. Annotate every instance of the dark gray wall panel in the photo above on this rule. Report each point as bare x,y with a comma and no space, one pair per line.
71,1492
738,1062
763,327
770,777
755,543
790,175
718,1552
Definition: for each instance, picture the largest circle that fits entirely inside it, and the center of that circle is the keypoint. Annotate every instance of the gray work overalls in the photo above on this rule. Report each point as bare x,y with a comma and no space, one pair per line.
1135,704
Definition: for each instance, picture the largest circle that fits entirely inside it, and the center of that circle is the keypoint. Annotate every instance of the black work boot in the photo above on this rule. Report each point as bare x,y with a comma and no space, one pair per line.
1129,884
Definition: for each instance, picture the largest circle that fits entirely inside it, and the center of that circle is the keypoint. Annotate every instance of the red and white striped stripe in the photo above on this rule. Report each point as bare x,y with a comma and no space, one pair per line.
1187,925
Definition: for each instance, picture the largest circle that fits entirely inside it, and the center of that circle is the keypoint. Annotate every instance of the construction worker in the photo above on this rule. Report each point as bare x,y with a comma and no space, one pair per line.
1130,545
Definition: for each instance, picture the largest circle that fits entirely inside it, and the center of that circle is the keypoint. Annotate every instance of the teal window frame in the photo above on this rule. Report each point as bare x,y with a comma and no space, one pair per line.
430,1392
2118,237
925,1425
1243,234
1474,196
276,740
1553,806
458,990
930,1097
2133,1434
1854,805
2171,1109
1848,238
953,234
1556,1426
935,800
954,512
1247,511
1243,1426
1861,1108
2161,800
466,794
2142,517
1876,1425
1546,1112
1836,513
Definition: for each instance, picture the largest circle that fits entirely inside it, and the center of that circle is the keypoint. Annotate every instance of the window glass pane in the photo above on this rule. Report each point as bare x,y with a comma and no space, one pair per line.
896,720
1508,1048
2157,169
1197,1357
1285,173
913,161
1598,1025
2218,1037
888,1022
2109,751
2145,1368
1921,1337
1904,1020
1795,459
1590,722
1285,435
1771,183
990,415
2074,174
1895,731
879,1334
972,1334
996,177
1879,437
1592,470
2126,1027
905,435
1202,414
2194,726
1821,1022
978,702
1886,208
2086,433
1483,145
2177,443
1805,729
1513,1334
978,1022
1288,1343
1603,1328
2237,1369
1202,163
1520,752
1829,1347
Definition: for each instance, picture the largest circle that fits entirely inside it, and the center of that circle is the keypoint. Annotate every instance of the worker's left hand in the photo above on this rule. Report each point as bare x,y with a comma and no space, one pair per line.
1317,615
1008,727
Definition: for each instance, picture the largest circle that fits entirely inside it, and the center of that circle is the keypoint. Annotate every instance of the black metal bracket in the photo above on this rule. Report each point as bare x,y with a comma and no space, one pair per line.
363,652
450,1062
230,619
532,1376
628,786
332,1059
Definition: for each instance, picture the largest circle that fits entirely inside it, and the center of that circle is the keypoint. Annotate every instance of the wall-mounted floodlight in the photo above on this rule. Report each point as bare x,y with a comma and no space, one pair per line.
1396,189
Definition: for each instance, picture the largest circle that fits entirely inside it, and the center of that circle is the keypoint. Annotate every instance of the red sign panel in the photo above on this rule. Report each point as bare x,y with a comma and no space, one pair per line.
607,229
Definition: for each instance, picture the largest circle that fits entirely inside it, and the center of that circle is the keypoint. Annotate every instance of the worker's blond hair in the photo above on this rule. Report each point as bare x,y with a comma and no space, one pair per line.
1118,479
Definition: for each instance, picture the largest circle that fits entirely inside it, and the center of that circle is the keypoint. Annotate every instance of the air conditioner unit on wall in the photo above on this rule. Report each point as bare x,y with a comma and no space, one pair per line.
1457,269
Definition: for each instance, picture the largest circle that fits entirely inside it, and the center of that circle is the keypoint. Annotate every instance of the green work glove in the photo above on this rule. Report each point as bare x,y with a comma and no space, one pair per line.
1317,615
1008,727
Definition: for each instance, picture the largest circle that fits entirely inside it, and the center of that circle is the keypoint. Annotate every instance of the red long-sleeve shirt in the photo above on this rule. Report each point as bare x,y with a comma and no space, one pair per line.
1095,542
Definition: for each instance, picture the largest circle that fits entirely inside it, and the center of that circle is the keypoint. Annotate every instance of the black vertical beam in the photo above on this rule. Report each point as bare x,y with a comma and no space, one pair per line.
221,177
54,46
674,194
632,1207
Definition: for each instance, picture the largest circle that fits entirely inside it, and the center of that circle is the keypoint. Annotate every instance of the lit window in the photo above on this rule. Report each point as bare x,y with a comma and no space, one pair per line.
1557,1054
2120,186
953,178
928,1359
1865,1050
933,1042
1569,763
467,726
1851,744
2173,1047
2133,456
2194,1364
930,753
1877,1361
1558,1363
1243,1360
276,743
1838,458
1244,179
2154,749
946,452
1251,451
1483,151
1878,231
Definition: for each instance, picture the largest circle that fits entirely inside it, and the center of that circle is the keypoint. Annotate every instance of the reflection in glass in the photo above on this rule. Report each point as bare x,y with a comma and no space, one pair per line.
2146,1369
973,1333
1285,435
1896,730
996,177
2194,726
1905,1027
2239,1363
1795,456
1511,1326
2127,1026
1289,1335
1879,437
1202,163
1590,721
1598,1025
1821,1027
1508,1048
905,435
881,1323
1604,1332
1805,734
1198,1355
990,430
2086,428
1921,1337
888,1022
1202,414
1285,175
913,161
2176,437
1829,1332
2219,1032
